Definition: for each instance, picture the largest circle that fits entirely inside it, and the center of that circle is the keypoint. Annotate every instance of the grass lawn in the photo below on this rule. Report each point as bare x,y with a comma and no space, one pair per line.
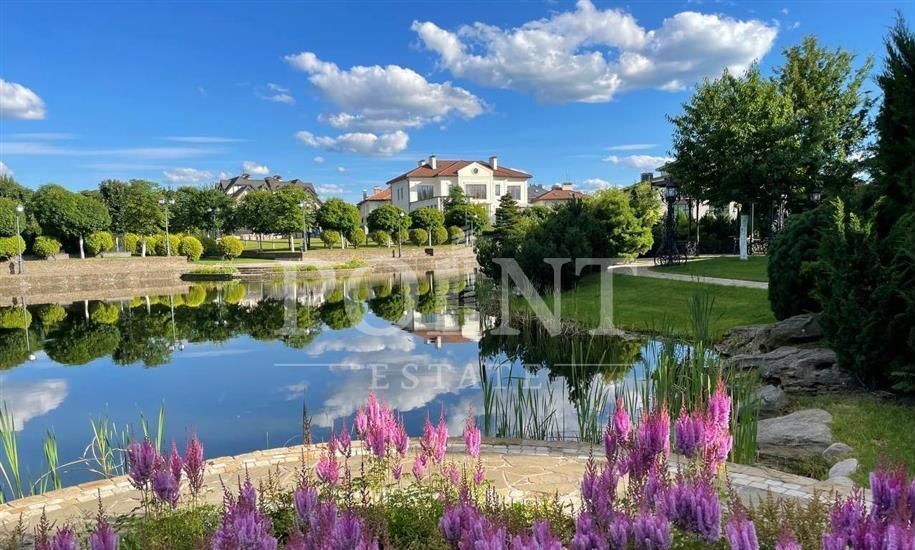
753,269
874,428
649,305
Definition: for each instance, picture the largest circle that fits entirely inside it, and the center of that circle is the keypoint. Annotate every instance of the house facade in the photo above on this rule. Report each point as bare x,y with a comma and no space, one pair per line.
483,182
379,197
239,186
559,194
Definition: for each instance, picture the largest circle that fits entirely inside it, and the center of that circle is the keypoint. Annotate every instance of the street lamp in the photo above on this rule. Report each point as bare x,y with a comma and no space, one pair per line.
400,235
668,253
303,205
19,210
214,211
166,203
815,195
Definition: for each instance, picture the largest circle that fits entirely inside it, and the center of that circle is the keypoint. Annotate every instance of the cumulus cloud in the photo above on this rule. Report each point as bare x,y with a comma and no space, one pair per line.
255,169
319,159
280,98
17,101
595,183
5,170
363,143
329,189
589,55
341,169
383,99
28,400
631,147
187,175
642,162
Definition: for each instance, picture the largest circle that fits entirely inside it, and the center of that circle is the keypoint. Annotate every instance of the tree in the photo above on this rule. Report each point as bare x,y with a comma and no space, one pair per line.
646,203
114,194
255,212
208,210
11,189
68,215
830,117
134,208
736,142
339,215
621,234
507,215
461,212
8,217
426,218
388,218
286,214
794,257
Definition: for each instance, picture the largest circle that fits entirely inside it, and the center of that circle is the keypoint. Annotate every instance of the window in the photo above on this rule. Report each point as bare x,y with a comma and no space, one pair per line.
515,191
424,192
498,189
476,191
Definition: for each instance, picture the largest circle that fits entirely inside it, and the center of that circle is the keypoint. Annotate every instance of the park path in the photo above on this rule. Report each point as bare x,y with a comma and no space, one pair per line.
644,267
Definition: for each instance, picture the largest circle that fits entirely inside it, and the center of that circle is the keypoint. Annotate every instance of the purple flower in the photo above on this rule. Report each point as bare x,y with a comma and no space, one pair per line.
741,533
194,465
348,531
344,440
912,501
694,507
618,531
165,487
401,441
65,539
719,406
472,436
654,432
243,527
434,441
651,532
103,537
844,520
327,470
786,541
441,433
419,467
888,492
478,473
622,425
452,473
175,463
540,538
588,535
306,504
690,433
142,459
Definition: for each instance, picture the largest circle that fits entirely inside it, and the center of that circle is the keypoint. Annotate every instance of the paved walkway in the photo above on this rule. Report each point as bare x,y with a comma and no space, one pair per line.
644,267
518,470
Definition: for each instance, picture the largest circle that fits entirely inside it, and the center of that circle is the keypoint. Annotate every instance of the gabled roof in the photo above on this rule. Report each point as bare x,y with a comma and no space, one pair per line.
559,195
446,168
382,195
245,183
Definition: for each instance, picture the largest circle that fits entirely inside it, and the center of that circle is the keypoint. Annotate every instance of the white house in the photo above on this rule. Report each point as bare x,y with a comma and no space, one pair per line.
483,182
379,197
559,194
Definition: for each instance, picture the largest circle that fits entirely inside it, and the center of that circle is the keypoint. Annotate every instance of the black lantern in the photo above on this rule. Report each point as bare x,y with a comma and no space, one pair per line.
669,252
815,195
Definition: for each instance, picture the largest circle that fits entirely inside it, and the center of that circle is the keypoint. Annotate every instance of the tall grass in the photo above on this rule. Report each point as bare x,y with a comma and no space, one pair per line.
11,452
513,408
49,448
591,406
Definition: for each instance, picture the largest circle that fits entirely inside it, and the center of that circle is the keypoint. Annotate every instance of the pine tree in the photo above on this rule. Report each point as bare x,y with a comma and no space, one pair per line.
507,215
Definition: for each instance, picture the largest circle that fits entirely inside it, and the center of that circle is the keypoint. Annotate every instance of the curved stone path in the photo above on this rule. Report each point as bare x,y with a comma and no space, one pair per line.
518,470
644,267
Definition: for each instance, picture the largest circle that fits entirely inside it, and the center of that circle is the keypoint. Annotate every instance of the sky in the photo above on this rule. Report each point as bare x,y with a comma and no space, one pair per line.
351,94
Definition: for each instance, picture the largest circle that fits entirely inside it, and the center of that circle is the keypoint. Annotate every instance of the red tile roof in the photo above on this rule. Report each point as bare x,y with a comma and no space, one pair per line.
383,195
451,167
559,195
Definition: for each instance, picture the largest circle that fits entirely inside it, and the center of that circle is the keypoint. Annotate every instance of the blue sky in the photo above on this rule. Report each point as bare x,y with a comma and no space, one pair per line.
348,95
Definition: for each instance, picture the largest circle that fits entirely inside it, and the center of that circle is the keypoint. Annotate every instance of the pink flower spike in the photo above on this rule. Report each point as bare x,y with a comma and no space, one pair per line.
327,471
419,467
472,435
175,463
622,425
344,440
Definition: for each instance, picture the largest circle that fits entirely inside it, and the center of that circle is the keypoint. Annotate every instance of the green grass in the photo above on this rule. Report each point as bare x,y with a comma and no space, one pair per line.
752,269
650,305
876,429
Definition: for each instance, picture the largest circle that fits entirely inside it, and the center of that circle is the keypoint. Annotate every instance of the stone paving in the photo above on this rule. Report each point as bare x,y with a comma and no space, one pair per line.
645,268
518,470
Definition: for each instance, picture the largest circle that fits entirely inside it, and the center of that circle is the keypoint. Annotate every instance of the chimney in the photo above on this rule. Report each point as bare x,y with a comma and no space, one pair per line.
647,176
245,176
377,189
421,162
278,177
365,194
433,162
494,162
567,186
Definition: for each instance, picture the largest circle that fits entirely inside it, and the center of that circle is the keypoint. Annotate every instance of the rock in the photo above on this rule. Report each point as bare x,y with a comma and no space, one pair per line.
772,401
837,451
798,370
844,469
792,331
800,434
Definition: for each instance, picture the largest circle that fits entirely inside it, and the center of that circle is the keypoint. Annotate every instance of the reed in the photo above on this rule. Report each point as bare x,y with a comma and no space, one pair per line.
49,447
513,408
11,452
160,427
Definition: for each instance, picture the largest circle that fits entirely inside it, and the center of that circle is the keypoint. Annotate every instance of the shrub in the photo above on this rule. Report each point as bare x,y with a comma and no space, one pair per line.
381,238
132,243
439,235
151,242
10,246
357,237
106,314
419,237
794,263
231,247
404,235
98,242
210,246
45,247
331,238
50,314
455,234
174,243
190,247
14,318
427,217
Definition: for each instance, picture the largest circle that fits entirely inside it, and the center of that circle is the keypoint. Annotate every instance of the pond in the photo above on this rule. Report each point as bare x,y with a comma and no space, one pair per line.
259,364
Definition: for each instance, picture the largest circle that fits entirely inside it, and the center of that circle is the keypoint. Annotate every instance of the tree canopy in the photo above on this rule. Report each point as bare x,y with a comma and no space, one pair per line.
339,215
388,218
68,215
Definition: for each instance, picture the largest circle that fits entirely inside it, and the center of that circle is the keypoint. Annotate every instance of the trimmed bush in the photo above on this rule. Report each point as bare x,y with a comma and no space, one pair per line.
331,238
381,238
404,236
419,237
794,257
210,246
174,242
132,243
106,314
190,247
50,314
9,247
439,235
45,247
14,318
231,247
98,242
151,242
357,237
455,234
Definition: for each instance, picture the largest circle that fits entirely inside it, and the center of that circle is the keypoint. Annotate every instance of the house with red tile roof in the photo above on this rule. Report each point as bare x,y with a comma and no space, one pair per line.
559,194
483,182
380,195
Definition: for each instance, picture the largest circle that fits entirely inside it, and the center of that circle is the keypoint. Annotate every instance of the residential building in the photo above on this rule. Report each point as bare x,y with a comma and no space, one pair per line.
368,203
239,186
483,182
559,194
694,208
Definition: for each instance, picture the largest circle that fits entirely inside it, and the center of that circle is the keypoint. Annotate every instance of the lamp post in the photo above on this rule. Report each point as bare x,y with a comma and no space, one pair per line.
400,235
168,244
669,253
815,195
214,212
19,210
303,205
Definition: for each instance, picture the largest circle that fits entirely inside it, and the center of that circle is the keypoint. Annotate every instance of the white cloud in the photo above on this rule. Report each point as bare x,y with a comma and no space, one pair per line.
384,99
341,169
588,55
28,400
631,147
187,175
595,183
42,136
642,162
784,11
33,148
364,143
319,159
277,88
5,170
329,189
255,169
280,98
17,101
204,139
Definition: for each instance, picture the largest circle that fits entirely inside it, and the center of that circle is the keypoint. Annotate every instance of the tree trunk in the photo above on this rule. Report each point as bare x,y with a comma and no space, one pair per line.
86,309
82,252
744,219
291,242
260,242
143,248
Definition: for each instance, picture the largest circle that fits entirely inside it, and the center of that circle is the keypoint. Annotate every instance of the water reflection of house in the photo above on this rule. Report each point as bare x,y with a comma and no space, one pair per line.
453,326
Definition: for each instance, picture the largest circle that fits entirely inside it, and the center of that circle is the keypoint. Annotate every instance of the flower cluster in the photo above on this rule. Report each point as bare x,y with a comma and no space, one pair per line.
147,469
464,526
320,525
432,446
381,432
705,435
243,526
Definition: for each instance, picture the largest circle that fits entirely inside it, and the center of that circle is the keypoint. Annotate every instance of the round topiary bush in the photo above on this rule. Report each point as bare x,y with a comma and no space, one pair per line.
419,237
15,318
231,247
98,242
331,238
455,234
132,243
794,263
190,247
439,235
151,242
381,238
210,246
45,247
357,237
174,243
10,246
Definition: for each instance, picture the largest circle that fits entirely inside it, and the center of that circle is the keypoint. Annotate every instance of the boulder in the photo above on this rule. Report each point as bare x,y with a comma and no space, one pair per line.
772,401
844,468
800,329
837,451
802,434
798,370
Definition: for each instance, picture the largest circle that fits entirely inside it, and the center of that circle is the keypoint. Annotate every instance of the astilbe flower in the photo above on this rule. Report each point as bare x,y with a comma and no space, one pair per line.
651,532
787,541
165,486
243,527
376,424
400,440
689,430
889,492
479,474
175,463
912,501
345,441
741,532
194,465
43,532
588,535
652,442
540,538
845,518
718,440
472,435
420,467
693,506
142,460
103,537
463,526
327,469
65,539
